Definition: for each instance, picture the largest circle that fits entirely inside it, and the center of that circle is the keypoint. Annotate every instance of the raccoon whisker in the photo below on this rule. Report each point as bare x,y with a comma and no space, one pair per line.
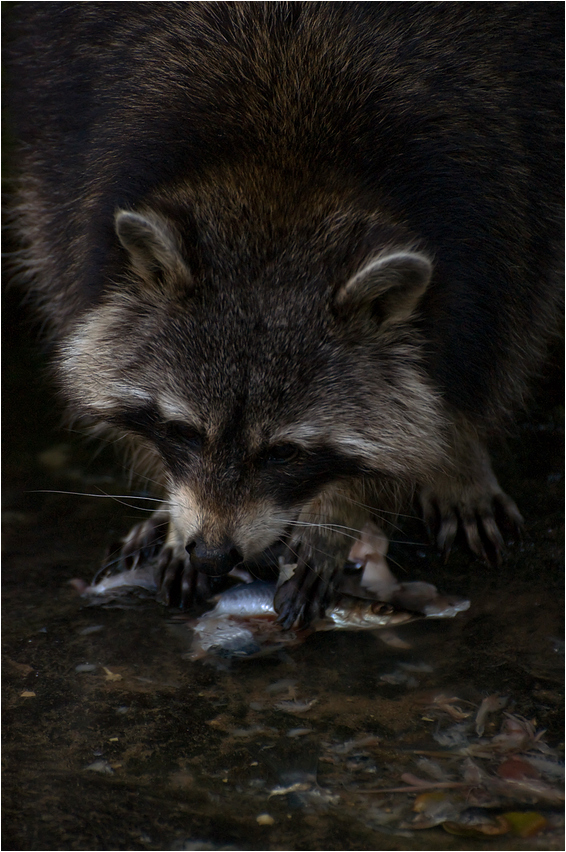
147,478
388,521
338,528
108,438
329,527
293,551
316,549
89,494
79,432
394,497
303,513
118,498
380,511
118,553
397,564
323,553
324,525
108,564
250,565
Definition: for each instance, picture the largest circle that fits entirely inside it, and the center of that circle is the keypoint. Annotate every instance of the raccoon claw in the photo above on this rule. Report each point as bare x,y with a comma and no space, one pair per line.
178,579
473,537
447,533
477,518
301,598
180,584
509,512
142,543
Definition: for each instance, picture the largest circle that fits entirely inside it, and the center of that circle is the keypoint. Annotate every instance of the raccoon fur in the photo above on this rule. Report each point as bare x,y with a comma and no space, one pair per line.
305,255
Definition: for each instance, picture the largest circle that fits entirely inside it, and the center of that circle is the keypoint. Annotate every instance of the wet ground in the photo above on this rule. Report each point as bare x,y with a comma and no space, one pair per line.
113,739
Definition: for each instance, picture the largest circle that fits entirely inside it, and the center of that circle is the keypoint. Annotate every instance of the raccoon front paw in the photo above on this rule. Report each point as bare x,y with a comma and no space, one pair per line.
479,511
142,543
180,584
305,595
177,579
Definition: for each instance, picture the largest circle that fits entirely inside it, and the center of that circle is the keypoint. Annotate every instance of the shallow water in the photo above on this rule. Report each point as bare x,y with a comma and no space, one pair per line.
113,739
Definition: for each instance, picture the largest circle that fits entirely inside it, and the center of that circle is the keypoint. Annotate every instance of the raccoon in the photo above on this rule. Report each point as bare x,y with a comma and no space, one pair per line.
305,256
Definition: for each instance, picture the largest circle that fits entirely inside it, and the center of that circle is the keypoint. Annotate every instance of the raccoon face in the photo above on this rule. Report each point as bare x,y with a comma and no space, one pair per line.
234,491
255,393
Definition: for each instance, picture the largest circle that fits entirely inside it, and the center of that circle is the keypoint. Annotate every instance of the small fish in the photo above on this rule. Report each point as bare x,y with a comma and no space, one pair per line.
243,622
255,600
246,600
363,614
110,584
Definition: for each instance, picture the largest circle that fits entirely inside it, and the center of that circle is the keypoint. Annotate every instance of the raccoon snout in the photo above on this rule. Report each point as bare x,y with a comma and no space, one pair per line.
213,561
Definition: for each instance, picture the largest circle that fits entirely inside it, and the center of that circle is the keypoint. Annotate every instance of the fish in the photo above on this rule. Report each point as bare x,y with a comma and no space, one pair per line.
243,622
109,584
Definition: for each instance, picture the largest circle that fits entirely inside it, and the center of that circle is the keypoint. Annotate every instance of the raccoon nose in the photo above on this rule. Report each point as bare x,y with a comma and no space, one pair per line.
213,561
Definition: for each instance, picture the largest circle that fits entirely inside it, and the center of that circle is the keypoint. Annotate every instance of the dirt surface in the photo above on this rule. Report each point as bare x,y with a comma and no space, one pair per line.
113,739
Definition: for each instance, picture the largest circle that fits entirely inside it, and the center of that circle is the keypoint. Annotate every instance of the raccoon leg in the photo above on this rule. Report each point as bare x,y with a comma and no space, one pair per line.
469,497
326,529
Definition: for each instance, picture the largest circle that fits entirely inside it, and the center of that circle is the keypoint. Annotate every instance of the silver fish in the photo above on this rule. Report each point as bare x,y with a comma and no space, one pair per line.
243,622
255,600
351,613
110,584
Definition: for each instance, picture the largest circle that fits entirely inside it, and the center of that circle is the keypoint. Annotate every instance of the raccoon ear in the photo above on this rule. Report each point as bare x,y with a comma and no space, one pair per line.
152,244
388,287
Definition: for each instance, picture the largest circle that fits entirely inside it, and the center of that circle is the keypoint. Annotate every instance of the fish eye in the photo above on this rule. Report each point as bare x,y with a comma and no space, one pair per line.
282,453
182,433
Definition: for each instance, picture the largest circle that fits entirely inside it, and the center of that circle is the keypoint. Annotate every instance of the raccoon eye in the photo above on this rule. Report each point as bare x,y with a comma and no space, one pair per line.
282,453
181,433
